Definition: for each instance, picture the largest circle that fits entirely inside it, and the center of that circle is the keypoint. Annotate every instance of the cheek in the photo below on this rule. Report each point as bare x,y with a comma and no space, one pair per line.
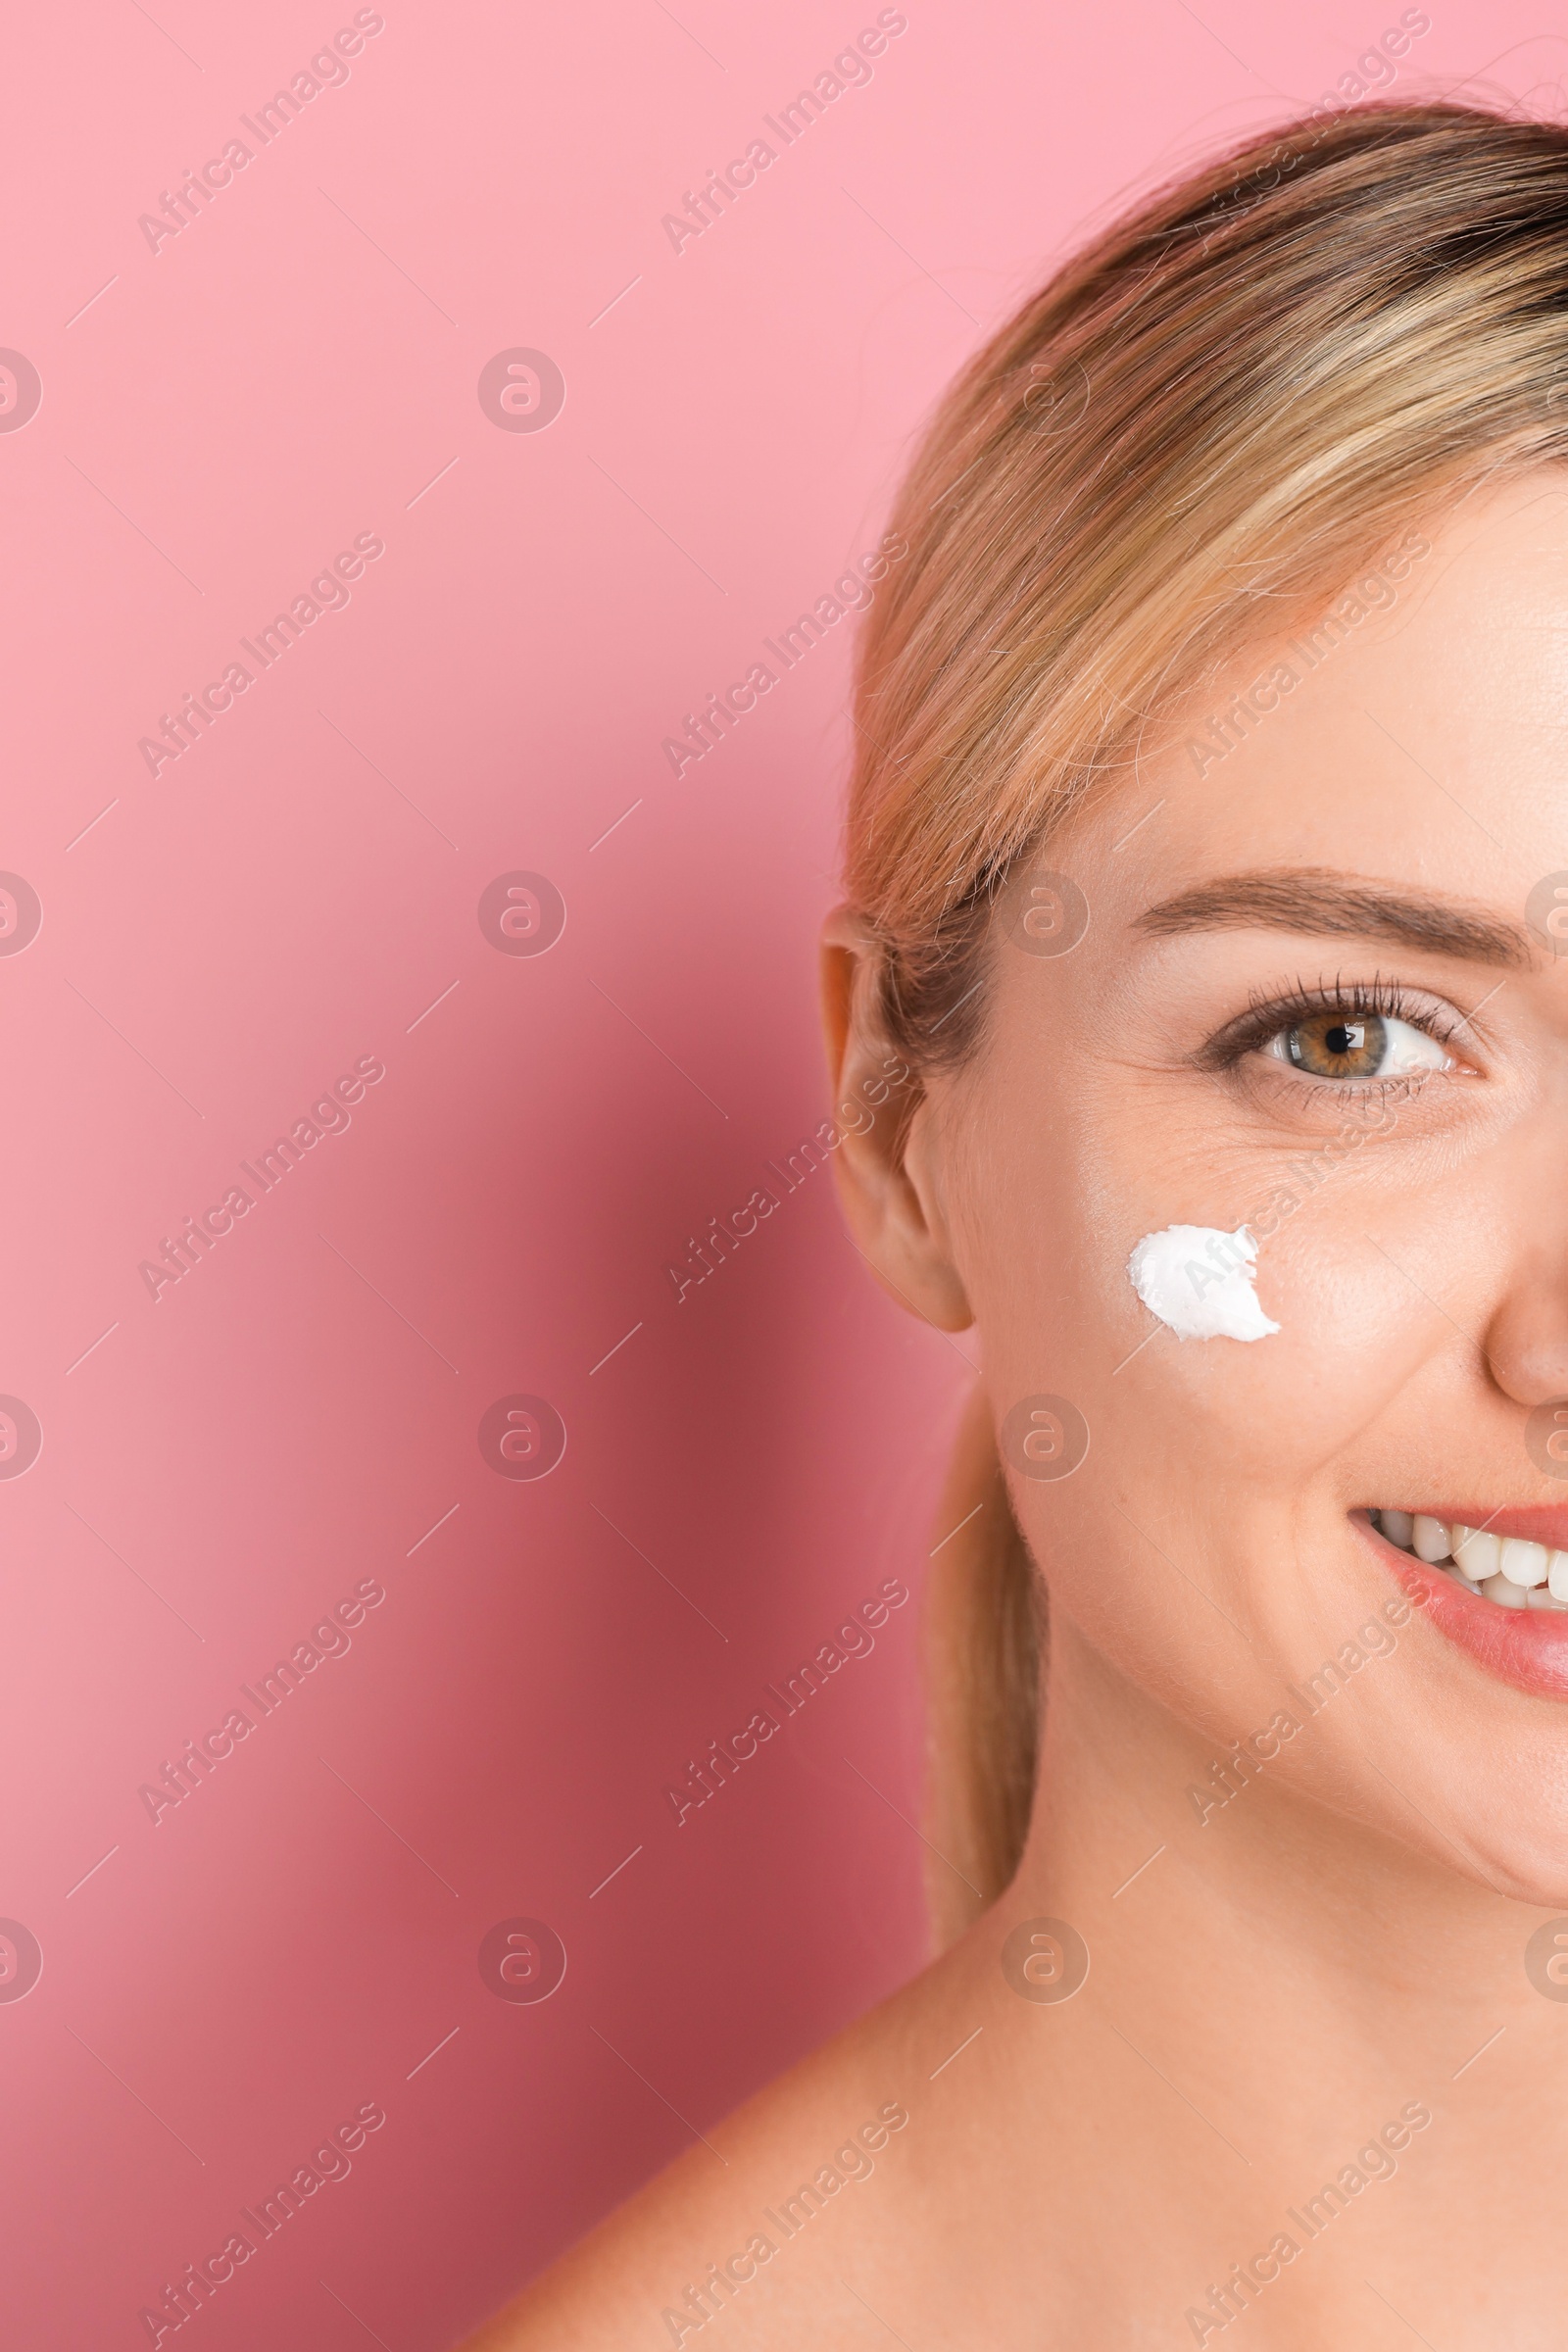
1354,1279
1203,1449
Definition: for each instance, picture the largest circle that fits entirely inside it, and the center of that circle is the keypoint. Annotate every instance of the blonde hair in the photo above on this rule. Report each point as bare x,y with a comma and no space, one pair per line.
1184,443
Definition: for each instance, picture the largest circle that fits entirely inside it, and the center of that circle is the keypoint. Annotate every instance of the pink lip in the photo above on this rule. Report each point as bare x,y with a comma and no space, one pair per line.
1527,1647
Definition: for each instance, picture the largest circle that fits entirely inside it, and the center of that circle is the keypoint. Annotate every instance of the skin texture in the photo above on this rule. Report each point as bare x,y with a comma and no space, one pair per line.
1275,1978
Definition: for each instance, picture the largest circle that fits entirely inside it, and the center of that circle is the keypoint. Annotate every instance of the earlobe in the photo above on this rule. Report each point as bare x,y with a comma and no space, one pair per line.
889,1160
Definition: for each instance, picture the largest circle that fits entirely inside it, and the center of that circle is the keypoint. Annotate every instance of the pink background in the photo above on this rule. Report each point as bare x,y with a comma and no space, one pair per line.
298,890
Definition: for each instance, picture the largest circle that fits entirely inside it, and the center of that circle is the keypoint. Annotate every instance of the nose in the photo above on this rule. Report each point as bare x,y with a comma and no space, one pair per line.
1525,1342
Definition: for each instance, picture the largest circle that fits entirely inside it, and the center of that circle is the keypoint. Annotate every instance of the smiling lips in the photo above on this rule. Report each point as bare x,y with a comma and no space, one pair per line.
1509,1626
1518,1559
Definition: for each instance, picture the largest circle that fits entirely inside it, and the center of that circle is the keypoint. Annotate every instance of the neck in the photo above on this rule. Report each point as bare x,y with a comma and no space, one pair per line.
1274,1991
1277,1897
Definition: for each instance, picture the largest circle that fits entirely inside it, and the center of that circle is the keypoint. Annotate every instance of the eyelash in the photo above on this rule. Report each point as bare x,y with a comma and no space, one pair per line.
1267,1016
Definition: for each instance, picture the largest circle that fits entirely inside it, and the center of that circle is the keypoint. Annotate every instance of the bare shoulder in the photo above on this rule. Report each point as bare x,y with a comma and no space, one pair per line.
816,2176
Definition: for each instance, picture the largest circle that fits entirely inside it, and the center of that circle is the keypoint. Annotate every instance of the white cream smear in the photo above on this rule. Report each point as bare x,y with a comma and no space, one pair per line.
1198,1281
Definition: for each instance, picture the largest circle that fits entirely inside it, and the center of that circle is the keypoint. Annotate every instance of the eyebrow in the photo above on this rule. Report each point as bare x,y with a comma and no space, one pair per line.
1315,899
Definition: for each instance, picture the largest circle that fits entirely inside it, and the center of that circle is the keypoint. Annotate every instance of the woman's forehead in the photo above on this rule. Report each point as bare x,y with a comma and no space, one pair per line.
1418,754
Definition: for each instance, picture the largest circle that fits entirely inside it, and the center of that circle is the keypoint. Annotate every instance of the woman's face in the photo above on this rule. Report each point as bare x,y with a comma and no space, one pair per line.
1317,997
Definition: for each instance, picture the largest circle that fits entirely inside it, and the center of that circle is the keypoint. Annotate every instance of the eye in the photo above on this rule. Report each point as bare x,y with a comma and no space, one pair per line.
1345,1032
1357,1045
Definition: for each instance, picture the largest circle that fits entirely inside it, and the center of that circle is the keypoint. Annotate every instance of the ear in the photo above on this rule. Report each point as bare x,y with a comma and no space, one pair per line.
889,1163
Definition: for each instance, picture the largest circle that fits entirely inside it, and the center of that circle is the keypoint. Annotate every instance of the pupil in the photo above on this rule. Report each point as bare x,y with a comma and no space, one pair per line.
1341,1040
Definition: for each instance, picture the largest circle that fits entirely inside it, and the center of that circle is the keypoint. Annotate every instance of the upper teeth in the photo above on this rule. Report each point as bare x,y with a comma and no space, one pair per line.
1505,1568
